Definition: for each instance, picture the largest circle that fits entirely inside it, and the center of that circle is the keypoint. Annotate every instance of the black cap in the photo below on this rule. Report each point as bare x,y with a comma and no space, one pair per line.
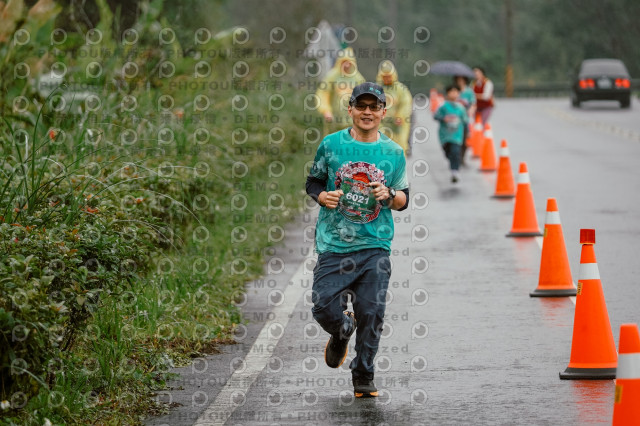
368,89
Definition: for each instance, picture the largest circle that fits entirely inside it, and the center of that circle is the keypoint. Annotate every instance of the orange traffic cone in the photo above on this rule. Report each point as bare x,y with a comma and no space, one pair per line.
484,132
488,163
433,100
626,404
593,352
475,141
505,185
525,222
555,274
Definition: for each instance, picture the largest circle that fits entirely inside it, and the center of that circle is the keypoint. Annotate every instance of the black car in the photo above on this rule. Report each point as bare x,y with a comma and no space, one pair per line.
602,79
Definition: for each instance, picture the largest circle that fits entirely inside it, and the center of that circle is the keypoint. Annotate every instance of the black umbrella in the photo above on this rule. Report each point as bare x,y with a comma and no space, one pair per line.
451,68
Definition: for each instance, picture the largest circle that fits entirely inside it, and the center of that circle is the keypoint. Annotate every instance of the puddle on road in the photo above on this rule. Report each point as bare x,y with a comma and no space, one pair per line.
593,400
556,311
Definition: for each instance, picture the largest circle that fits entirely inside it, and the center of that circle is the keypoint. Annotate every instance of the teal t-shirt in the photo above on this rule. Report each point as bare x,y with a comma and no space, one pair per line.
359,222
452,117
467,98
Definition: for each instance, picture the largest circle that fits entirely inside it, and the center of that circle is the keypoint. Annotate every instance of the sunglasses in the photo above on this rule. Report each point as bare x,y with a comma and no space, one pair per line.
372,107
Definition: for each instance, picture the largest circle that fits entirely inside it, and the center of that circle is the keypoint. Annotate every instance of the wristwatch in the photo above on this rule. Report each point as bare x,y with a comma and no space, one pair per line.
392,195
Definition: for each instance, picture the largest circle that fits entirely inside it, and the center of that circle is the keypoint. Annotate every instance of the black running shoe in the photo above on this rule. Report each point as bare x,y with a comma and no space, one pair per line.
337,347
364,388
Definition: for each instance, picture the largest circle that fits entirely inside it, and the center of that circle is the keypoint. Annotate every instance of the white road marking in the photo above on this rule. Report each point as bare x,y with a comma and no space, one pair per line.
233,394
539,241
612,129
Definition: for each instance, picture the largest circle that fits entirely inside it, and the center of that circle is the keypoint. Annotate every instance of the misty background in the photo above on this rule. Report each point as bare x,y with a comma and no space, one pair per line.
549,37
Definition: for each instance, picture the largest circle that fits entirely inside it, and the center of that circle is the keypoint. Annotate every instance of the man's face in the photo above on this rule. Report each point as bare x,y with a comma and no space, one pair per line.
387,79
367,119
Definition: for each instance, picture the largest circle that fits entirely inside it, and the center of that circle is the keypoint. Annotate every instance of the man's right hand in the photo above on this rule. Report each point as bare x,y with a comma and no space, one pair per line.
330,199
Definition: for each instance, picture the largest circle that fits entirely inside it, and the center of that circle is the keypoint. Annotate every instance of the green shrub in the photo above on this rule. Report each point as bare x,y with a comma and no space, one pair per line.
115,224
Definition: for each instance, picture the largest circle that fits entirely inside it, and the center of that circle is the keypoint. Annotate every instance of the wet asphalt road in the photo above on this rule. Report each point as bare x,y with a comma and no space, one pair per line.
463,341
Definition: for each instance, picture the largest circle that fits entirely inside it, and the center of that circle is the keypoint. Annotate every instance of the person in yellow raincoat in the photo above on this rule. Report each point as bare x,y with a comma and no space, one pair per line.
335,90
397,123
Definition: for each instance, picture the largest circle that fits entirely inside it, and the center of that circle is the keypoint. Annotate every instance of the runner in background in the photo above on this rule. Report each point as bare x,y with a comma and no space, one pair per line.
453,119
397,124
483,88
468,100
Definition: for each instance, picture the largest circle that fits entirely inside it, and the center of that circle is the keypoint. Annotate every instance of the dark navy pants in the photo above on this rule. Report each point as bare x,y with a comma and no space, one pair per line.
452,151
365,276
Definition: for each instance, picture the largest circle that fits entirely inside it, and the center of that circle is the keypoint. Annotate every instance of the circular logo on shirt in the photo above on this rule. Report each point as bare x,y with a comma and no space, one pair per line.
358,204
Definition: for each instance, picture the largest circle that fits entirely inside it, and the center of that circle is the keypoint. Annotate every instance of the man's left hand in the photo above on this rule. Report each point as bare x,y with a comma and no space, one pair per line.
379,191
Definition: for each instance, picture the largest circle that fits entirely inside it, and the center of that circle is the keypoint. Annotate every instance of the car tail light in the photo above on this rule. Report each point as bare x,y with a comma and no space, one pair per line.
587,83
623,82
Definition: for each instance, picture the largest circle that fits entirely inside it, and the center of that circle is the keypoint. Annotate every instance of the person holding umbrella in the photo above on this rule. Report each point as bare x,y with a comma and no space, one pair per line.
468,100
455,146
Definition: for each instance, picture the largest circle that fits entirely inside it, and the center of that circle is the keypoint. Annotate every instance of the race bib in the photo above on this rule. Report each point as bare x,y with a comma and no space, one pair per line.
358,203
452,122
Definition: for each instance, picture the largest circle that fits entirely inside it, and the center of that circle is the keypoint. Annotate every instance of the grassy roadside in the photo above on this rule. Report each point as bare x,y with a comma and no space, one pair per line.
132,213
